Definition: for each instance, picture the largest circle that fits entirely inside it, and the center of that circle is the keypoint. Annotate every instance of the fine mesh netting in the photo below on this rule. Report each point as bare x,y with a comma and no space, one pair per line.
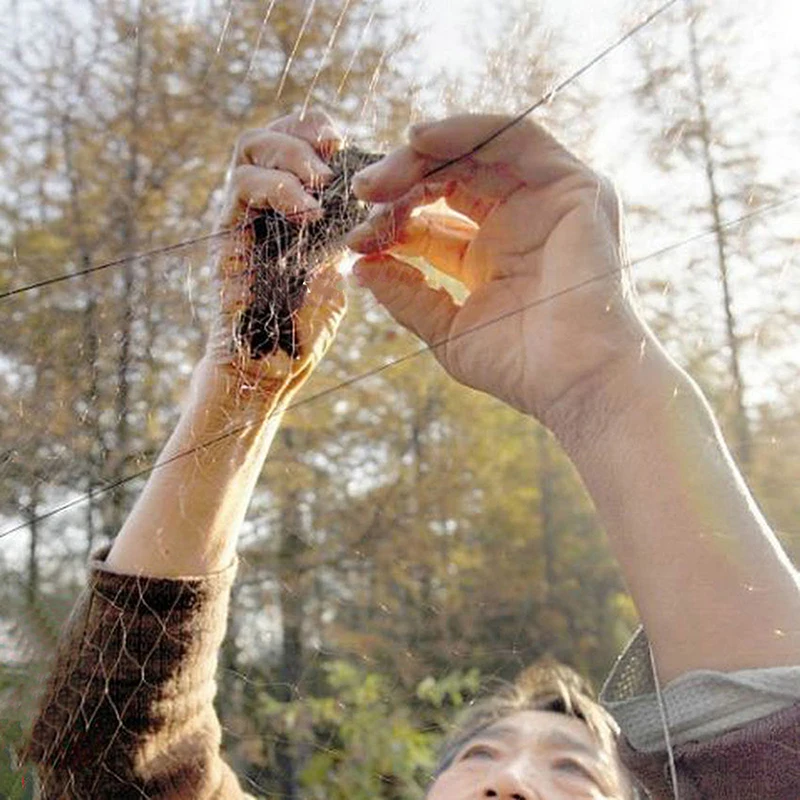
410,542
285,255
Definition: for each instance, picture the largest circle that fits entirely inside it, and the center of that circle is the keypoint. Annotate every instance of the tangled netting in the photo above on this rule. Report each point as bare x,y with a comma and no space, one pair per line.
285,254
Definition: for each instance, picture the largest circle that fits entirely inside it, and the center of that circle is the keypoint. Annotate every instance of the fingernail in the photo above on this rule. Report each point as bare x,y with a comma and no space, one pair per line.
419,127
326,132
321,176
365,178
358,234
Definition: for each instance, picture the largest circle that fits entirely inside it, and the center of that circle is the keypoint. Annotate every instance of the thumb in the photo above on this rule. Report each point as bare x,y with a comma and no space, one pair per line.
406,295
323,309
443,240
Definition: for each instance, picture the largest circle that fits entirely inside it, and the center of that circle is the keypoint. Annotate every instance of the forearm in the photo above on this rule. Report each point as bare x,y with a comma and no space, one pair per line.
187,519
713,587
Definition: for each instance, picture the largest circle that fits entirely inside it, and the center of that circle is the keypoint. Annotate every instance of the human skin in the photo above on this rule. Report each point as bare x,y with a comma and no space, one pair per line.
712,585
187,519
551,327
531,755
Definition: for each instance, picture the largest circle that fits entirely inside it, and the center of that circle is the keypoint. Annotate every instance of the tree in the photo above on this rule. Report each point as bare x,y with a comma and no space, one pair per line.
705,139
120,128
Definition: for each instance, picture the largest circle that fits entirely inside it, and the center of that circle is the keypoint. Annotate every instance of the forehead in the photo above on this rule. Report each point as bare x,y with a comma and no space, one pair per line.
545,729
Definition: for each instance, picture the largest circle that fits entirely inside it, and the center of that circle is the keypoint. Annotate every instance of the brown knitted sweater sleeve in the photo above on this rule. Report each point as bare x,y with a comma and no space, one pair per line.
128,711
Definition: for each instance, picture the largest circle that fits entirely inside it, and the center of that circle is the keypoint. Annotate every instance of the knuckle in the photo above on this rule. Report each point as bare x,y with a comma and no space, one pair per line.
288,124
526,125
609,196
294,151
316,116
282,122
239,178
245,141
285,153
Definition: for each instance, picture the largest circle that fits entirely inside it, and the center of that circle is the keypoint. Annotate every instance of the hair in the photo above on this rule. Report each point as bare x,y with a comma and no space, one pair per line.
547,685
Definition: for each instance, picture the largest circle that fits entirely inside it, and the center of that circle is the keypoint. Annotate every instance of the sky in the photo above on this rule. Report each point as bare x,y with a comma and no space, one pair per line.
586,23
767,70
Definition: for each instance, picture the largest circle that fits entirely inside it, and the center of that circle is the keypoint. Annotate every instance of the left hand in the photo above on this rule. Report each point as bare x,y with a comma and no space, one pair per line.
273,167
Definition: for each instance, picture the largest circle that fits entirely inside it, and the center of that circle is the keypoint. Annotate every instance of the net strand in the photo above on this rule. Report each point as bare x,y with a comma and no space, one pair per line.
122,260
559,87
362,376
117,262
257,47
290,60
663,717
356,52
324,60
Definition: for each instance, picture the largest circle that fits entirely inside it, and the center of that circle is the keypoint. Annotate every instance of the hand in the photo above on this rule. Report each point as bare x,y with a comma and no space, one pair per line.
274,168
549,314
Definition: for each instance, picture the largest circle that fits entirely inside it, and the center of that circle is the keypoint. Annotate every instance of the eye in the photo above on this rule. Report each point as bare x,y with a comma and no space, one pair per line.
571,766
478,751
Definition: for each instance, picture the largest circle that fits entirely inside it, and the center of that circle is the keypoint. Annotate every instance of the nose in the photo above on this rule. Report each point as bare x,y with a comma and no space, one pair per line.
509,784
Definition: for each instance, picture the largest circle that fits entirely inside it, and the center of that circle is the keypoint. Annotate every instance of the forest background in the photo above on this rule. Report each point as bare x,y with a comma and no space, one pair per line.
411,542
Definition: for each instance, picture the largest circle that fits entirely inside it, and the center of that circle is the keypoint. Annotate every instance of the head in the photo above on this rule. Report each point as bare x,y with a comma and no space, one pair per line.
542,738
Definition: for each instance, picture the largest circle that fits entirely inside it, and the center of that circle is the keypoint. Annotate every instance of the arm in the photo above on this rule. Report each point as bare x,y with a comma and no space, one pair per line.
551,327
129,706
712,585
187,520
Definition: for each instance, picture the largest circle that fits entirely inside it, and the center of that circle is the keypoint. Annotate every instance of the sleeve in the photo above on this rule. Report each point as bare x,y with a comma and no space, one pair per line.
731,735
128,710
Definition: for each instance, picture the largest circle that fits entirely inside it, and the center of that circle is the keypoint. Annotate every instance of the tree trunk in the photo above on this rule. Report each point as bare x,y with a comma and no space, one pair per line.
741,427
129,242
32,578
90,335
291,592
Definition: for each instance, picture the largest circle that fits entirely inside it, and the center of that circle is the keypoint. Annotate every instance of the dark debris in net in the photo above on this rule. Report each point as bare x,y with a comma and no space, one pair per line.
285,255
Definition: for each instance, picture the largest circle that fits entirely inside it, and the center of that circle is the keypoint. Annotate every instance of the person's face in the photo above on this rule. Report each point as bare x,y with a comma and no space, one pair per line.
530,755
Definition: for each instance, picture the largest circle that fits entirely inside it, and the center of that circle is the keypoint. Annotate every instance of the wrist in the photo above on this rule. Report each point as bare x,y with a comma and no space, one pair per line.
220,391
596,417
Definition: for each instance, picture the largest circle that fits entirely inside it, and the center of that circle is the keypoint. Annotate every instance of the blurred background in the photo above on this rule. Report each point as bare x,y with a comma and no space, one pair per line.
411,541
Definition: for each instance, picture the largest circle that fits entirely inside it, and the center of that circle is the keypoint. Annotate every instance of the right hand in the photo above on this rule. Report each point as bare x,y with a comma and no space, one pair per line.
274,167
549,315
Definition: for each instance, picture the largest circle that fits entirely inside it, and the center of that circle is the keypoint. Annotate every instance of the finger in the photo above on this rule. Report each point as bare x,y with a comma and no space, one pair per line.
402,170
315,126
254,187
486,138
442,240
382,230
487,153
325,292
392,177
399,172
466,202
404,293
323,309
273,150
